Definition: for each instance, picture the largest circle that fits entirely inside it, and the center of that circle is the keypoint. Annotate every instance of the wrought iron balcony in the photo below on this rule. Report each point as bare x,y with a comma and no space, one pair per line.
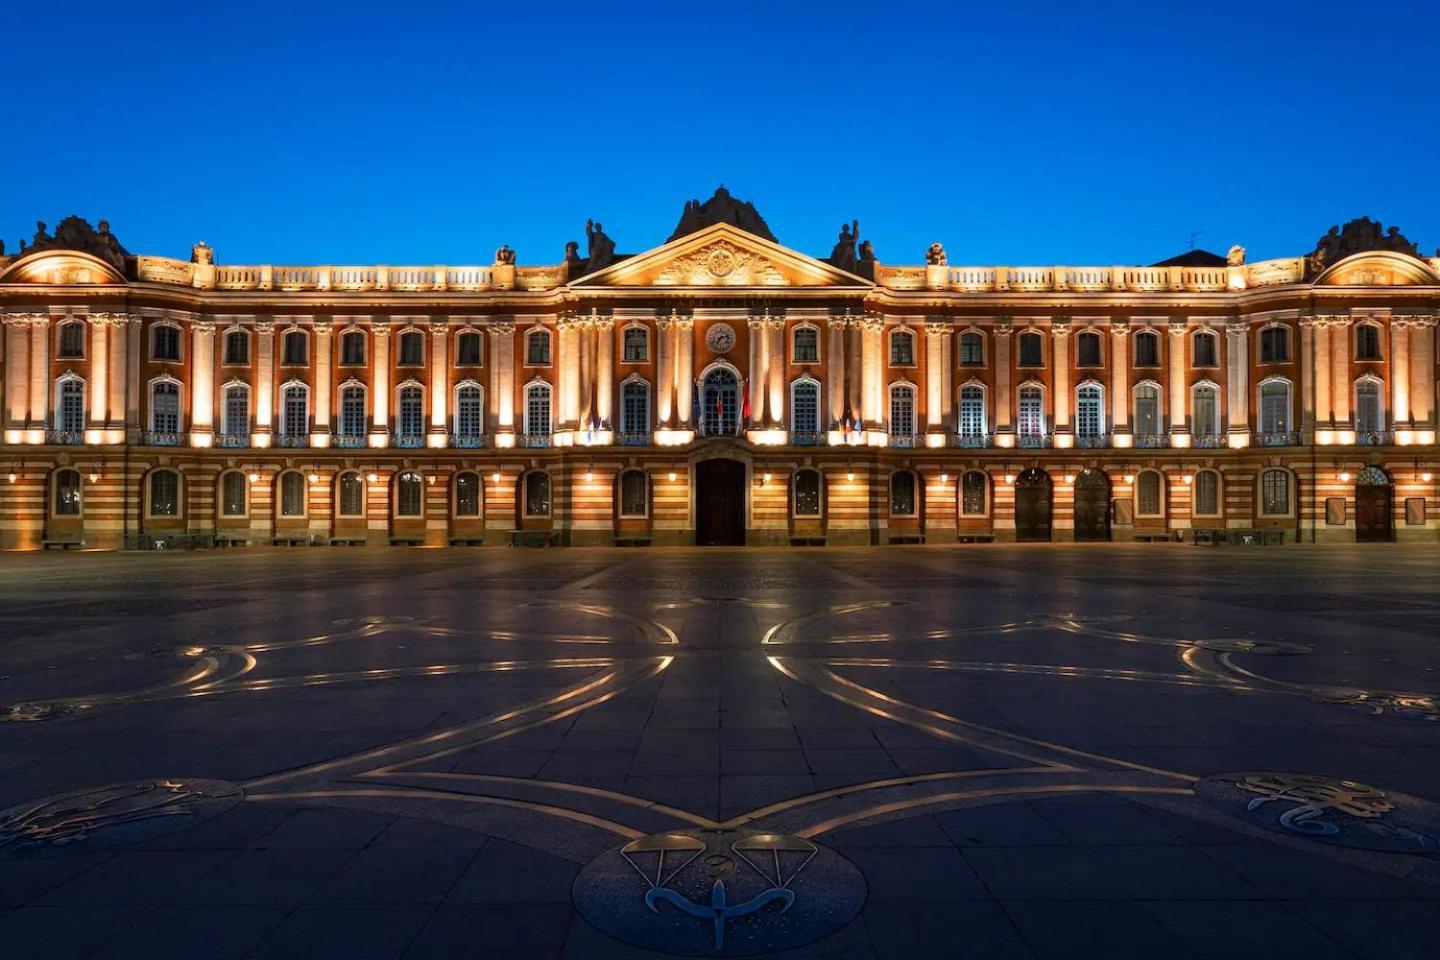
1286,438
349,441
466,442
1152,441
1374,438
293,440
633,439
65,436
235,441
159,438
807,438
1092,441
1209,441
972,441
535,440
903,441
408,441
1034,441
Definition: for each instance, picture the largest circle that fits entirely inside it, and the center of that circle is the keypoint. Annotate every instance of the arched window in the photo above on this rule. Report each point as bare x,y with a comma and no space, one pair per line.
409,495
972,411
70,405
537,494
1032,349
537,348
1147,410
351,495
165,407
1147,349
806,344
237,348
635,410
1275,407
634,494
296,349
295,411
720,403
165,342
467,494
1148,494
468,349
805,408
1207,493
635,345
1090,411
235,414
1367,342
537,410
902,494
1275,344
67,497
1369,409
1203,350
469,411
352,348
1032,411
412,349
410,413
234,494
1087,349
1274,493
164,500
1205,410
972,350
902,348
292,494
805,493
974,491
902,411
72,341
352,410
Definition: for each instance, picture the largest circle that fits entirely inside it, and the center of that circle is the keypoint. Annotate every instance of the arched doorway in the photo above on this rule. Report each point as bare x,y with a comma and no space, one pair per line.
1092,506
1374,506
720,403
720,503
1032,506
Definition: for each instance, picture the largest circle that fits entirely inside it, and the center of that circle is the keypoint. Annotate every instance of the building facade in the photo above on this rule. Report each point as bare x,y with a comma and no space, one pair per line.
719,388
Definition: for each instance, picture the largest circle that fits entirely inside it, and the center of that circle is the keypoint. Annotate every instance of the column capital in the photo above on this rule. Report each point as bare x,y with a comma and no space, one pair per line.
264,326
1003,325
664,323
755,323
205,326
439,328
1237,328
380,328
24,319
604,322
501,328
1179,328
1119,327
323,325
1060,326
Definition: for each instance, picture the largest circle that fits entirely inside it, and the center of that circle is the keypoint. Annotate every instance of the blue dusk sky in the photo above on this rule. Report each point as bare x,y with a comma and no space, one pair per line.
433,132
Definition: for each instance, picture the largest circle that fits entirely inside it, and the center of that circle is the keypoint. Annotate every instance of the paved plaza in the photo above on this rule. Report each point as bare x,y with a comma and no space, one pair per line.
1044,751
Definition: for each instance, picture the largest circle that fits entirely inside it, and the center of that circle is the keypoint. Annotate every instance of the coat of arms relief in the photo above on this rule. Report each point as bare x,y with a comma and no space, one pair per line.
721,264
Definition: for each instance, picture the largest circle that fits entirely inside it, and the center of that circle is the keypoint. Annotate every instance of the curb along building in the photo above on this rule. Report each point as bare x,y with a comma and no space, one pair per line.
719,388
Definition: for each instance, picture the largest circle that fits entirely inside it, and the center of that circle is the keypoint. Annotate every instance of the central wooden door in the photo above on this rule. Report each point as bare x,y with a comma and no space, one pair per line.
1092,506
1374,514
1032,506
720,503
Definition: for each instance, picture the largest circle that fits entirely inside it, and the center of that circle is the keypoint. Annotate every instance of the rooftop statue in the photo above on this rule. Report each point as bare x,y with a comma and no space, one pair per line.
843,256
721,208
1358,236
1236,256
935,255
505,256
602,248
75,233
202,253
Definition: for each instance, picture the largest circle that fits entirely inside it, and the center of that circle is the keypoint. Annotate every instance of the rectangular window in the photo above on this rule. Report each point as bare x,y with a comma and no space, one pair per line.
1087,350
237,348
972,412
805,412
972,350
467,495
296,422
1207,493
972,494
902,349
807,345
1032,350
636,345
352,495
902,412
1275,493
233,495
352,412
537,349
1032,412
469,412
166,343
352,349
467,350
1147,350
634,494
1204,350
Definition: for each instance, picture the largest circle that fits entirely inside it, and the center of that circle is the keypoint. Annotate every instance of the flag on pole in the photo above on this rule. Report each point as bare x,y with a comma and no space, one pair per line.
695,407
745,401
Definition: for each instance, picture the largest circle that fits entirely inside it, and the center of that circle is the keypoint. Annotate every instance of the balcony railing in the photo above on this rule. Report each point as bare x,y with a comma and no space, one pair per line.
807,438
234,441
1034,441
1092,441
349,441
65,436
902,441
972,441
1152,441
408,441
1286,438
159,438
1209,441
1374,438
633,439
466,442
293,440
536,440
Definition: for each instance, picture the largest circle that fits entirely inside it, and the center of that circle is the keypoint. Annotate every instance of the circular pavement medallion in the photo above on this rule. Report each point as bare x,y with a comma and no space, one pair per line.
1346,813
99,818
723,893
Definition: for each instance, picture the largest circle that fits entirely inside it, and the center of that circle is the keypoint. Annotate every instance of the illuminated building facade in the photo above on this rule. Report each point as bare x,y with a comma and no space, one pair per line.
718,388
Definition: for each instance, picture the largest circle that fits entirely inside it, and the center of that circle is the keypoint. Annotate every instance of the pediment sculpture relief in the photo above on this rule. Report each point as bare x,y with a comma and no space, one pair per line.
721,264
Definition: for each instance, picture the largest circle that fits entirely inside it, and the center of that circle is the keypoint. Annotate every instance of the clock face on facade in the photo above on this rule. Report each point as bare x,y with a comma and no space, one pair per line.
720,338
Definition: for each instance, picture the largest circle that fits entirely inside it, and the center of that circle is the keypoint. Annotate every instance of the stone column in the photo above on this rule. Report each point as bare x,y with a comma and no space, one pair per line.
202,382
1400,370
1004,411
1340,387
835,370
1307,392
684,370
775,405
264,380
324,424
117,332
1422,371
1320,343
132,356
568,360
98,404
947,378
502,379
757,374
854,359
1237,414
1119,377
934,371
1179,383
380,383
605,371
17,363
664,372
439,381
872,363
40,371
1060,353
585,363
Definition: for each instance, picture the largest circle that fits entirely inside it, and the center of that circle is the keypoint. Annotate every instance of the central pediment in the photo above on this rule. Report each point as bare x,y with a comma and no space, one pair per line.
721,255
